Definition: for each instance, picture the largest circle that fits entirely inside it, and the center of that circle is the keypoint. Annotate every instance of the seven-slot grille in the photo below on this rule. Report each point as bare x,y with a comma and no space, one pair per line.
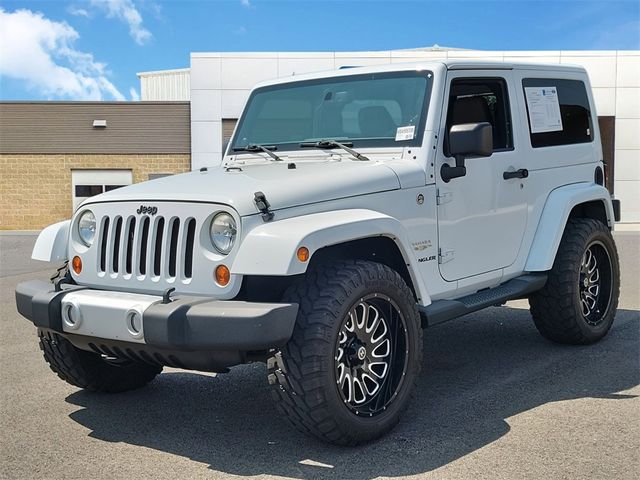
145,246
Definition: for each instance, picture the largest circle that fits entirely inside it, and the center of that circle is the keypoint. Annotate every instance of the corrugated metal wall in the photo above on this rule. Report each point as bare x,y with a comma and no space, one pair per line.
67,127
172,85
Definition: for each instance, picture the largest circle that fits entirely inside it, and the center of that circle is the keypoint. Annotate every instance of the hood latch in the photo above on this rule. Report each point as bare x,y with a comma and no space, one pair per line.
263,206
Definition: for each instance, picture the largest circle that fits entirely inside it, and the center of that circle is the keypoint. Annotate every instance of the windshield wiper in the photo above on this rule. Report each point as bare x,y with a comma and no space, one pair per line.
253,147
333,144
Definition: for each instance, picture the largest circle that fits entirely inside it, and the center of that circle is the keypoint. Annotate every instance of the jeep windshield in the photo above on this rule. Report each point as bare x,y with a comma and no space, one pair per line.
366,110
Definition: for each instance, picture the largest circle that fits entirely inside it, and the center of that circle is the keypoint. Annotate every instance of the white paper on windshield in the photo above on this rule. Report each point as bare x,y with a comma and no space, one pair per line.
405,133
544,109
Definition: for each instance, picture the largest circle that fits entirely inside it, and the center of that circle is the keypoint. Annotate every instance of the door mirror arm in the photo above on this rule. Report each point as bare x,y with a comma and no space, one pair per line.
460,170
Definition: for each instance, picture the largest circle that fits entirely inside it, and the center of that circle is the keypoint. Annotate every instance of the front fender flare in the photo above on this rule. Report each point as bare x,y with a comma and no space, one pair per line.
270,249
51,244
554,218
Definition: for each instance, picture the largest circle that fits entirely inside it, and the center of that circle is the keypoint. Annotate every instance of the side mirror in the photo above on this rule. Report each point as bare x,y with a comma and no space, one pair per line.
471,139
465,140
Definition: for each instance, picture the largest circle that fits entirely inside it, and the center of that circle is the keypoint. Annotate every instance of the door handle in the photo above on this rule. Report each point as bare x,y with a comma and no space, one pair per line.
522,173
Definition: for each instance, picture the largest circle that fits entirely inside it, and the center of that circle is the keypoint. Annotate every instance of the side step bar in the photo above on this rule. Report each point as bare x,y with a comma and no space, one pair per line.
443,310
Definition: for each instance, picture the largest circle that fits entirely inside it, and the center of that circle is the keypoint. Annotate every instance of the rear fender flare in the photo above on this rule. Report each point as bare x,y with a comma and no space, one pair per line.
553,220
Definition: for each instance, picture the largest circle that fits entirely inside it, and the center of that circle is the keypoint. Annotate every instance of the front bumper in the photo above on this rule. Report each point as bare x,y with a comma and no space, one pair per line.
185,324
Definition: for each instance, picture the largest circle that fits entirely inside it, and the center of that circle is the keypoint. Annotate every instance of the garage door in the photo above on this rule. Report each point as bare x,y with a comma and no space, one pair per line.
228,124
87,183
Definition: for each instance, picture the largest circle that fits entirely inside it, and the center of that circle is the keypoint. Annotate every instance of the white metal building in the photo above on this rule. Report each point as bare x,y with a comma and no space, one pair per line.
218,84
165,85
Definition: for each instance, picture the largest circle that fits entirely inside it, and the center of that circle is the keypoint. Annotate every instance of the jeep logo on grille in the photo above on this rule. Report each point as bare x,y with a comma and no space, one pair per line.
150,210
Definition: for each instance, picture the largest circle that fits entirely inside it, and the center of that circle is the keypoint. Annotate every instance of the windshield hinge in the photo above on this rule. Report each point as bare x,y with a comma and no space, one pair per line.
445,255
263,206
443,197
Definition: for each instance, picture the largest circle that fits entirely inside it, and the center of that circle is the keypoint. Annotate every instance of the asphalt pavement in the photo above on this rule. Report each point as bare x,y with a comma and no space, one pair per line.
495,400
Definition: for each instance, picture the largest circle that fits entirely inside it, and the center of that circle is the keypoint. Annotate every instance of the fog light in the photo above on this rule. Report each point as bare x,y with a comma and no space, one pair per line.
303,254
76,263
71,316
133,319
223,275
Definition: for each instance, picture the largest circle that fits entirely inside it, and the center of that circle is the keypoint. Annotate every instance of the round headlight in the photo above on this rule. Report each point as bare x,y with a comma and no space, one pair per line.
87,227
223,232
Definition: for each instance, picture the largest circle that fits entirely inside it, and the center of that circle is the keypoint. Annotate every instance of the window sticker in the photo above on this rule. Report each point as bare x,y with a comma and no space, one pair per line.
544,109
405,133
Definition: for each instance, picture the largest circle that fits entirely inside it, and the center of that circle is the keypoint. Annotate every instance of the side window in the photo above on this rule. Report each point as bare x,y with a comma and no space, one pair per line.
558,111
474,100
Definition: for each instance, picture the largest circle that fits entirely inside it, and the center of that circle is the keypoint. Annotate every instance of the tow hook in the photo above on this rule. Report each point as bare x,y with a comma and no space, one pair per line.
166,296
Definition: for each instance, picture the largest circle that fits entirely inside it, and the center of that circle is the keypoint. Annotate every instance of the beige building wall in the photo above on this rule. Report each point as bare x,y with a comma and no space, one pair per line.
35,189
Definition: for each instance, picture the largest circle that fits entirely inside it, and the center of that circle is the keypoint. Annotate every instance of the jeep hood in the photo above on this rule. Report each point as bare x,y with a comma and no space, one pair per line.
308,182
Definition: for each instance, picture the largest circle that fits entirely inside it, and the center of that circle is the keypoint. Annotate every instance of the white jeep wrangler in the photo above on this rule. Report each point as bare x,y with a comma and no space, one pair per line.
352,209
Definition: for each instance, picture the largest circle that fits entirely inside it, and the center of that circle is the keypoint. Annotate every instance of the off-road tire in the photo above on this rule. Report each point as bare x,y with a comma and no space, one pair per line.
89,370
302,375
556,309
61,272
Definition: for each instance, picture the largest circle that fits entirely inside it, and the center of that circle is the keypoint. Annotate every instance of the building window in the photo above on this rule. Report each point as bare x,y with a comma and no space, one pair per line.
476,100
574,124
87,183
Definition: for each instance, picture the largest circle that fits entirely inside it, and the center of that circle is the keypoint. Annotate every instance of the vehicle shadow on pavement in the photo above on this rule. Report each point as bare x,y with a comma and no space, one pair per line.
478,372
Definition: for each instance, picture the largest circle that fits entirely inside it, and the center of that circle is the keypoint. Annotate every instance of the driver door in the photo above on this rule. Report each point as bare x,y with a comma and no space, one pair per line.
481,216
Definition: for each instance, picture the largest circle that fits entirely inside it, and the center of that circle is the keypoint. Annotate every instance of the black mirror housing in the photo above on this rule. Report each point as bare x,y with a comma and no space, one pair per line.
471,139
467,139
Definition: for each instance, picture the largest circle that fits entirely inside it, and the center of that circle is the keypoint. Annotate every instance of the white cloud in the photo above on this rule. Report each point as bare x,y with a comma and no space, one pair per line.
245,3
43,55
77,11
126,11
135,96
240,30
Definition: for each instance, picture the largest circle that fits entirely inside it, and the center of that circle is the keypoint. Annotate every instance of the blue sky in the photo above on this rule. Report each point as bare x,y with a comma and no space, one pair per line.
92,49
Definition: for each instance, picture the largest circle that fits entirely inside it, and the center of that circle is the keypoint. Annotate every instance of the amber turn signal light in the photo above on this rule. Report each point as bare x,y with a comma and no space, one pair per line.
303,254
76,264
223,275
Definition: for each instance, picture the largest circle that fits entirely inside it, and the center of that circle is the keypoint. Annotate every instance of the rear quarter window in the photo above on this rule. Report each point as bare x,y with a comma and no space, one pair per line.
576,124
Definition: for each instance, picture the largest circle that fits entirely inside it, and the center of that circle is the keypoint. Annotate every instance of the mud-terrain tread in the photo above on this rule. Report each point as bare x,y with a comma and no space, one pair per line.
554,309
296,385
88,370
61,272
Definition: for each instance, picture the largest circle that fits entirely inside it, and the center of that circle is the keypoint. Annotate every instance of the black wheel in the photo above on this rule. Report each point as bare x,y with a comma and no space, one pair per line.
579,301
350,367
91,371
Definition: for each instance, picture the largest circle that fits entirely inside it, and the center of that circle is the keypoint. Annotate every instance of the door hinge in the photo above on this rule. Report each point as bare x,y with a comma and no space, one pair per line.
443,197
445,255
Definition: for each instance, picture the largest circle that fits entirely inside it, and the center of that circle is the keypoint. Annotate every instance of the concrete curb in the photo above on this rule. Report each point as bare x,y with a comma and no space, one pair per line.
627,227
18,233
